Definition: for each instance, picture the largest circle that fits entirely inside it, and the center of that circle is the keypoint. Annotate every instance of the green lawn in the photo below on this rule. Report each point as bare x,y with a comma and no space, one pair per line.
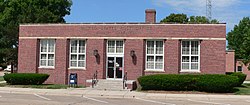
244,90
43,86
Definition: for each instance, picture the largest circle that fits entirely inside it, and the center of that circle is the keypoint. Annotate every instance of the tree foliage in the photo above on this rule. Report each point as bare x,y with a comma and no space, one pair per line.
239,40
15,12
176,18
182,18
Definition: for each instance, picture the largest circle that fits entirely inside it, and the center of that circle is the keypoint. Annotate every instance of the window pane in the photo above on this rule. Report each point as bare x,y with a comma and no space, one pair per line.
194,59
158,65
185,66
159,59
81,57
51,56
185,58
194,47
81,63
194,66
150,47
51,44
81,46
73,63
119,46
43,45
73,57
150,58
159,47
73,46
42,62
111,46
50,62
150,62
185,47
43,56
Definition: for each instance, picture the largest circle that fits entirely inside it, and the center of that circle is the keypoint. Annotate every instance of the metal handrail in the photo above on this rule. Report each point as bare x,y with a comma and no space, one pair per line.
94,79
125,78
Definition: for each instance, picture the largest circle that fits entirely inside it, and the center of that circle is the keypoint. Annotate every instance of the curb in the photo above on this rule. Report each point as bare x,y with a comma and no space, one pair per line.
113,94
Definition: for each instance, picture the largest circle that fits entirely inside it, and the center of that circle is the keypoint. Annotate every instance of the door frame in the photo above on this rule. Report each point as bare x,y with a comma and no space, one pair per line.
114,55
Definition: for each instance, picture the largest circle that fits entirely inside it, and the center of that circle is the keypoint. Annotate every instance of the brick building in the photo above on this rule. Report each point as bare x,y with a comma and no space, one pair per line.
236,65
112,49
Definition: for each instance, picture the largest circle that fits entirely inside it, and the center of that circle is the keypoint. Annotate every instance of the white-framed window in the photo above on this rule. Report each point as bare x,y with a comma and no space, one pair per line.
155,55
47,53
77,57
115,46
190,56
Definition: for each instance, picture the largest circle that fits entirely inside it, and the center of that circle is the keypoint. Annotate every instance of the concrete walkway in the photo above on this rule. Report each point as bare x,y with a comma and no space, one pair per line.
113,94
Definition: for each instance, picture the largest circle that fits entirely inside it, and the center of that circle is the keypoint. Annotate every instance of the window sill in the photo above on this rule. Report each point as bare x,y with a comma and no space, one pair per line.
190,71
154,70
44,67
77,68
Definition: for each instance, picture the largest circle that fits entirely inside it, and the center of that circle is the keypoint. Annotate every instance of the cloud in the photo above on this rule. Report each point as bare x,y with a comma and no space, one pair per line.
229,11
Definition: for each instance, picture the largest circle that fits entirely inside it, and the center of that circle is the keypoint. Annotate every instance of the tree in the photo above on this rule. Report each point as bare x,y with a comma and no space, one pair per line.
182,18
176,18
15,12
239,40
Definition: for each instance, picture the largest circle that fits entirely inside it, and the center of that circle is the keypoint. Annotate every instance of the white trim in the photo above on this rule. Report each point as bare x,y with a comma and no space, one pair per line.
154,55
47,54
115,55
156,70
121,24
121,38
77,54
77,68
190,57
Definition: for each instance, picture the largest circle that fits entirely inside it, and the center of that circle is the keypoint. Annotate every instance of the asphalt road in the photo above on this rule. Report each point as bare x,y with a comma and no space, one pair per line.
37,99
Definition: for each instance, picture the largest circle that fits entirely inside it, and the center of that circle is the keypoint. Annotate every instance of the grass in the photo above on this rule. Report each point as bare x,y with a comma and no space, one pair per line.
1,78
43,86
243,90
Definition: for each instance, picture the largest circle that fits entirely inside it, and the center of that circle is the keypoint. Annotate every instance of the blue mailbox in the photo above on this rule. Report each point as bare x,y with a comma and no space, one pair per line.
73,79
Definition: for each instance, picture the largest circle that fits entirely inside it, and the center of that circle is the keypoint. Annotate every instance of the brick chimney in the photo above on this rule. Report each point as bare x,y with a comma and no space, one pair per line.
150,16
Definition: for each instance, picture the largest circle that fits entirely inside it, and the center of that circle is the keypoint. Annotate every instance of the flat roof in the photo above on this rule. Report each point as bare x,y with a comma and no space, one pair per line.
115,23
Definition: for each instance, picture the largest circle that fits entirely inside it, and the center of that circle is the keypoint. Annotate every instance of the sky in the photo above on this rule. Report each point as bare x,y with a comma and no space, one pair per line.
92,11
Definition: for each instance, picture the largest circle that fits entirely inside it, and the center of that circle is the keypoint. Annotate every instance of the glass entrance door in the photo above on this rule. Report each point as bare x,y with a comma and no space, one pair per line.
115,67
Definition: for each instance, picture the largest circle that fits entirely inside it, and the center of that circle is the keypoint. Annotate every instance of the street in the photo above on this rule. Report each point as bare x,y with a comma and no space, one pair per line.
38,99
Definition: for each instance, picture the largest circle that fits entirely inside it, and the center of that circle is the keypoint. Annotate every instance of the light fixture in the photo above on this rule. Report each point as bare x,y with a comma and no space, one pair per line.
95,53
132,53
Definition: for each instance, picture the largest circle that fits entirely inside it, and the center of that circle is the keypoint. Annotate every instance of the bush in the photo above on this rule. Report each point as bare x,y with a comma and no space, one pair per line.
240,75
187,82
25,78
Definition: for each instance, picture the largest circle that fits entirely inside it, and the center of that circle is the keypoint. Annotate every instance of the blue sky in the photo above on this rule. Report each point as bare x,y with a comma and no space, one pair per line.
226,11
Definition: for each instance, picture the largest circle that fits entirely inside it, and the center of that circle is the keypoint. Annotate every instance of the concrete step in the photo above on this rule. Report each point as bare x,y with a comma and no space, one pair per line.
104,84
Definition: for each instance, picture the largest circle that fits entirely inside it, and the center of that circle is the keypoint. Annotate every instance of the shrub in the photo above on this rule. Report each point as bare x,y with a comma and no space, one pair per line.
25,78
187,82
240,75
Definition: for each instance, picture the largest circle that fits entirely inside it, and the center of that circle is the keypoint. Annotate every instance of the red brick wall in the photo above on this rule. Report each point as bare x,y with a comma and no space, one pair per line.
244,68
230,61
127,30
27,56
134,66
213,56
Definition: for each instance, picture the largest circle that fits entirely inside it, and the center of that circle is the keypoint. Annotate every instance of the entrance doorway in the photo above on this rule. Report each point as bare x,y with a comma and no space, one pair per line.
115,61
115,68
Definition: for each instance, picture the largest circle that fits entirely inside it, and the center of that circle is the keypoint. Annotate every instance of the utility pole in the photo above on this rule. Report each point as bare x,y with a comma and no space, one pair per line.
209,9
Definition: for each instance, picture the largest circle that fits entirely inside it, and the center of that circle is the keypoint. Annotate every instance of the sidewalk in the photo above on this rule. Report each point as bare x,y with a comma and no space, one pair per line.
113,94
